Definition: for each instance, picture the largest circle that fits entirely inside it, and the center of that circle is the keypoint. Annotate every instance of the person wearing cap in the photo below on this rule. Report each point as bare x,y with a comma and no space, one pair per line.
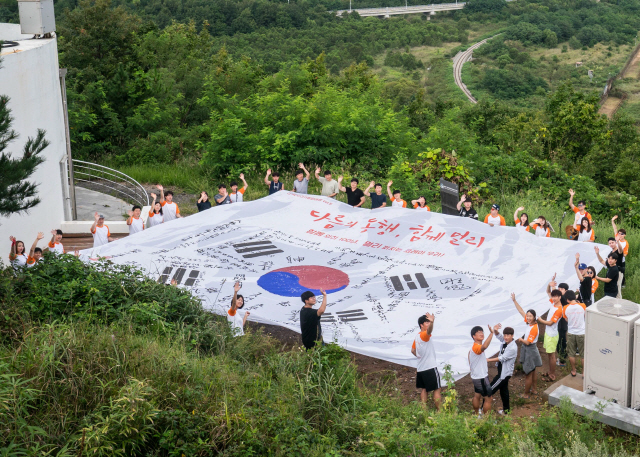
100,232
611,280
494,217
580,211
574,313
621,238
466,209
584,275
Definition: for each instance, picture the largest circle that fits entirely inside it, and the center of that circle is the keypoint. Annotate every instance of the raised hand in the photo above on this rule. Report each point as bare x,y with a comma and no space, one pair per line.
317,169
96,216
390,183
339,178
237,287
324,294
571,192
578,256
521,208
430,316
614,218
247,313
242,176
12,239
268,171
154,196
40,235
372,183
490,329
130,213
553,284
54,232
300,165
497,327
513,296
202,194
597,249
159,187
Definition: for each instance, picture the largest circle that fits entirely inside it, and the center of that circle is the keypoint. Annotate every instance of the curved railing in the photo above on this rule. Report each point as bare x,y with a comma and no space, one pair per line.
109,181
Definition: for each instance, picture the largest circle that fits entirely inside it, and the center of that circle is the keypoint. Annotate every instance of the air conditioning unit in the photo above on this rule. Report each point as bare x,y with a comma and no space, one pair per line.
635,391
36,16
609,343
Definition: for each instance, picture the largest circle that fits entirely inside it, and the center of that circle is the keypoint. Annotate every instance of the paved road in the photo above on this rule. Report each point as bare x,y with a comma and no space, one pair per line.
459,60
395,10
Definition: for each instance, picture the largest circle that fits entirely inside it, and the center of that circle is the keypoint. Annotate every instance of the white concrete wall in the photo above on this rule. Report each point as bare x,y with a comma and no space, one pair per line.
29,76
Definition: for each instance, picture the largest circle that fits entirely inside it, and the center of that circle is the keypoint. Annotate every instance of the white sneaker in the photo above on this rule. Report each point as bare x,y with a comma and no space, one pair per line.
501,412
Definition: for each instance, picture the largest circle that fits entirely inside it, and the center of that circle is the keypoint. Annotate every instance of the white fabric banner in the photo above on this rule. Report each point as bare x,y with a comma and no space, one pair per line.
382,269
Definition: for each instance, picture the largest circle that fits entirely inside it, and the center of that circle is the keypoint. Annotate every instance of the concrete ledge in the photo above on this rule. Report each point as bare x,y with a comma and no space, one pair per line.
575,382
84,227
612,414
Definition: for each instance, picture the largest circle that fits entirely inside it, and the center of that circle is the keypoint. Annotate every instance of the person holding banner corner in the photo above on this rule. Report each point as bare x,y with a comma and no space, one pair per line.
479,369
427,376
529,354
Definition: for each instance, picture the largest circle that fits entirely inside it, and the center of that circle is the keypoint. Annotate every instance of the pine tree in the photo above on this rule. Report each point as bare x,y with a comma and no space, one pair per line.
16,193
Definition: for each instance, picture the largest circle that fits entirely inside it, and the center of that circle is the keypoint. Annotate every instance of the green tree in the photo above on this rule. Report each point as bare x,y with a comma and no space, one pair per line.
574,125
16,193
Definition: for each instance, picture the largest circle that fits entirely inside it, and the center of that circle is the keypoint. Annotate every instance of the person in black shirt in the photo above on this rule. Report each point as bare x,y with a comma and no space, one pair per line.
378,199
611,281
355,196
275,185
467,210
585,281
310,328
203,201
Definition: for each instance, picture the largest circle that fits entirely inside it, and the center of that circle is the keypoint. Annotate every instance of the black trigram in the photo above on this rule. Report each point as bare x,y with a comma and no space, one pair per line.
345,316
397,283
256,249
178,275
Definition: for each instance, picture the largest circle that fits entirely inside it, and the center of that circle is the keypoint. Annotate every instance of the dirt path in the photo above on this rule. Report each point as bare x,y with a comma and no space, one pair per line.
631,70
400,381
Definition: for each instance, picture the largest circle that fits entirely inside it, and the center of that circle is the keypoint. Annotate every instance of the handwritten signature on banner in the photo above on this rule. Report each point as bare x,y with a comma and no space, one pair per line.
384,227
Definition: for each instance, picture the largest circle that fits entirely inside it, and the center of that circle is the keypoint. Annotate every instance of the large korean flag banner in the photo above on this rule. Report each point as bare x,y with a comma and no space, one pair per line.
381,269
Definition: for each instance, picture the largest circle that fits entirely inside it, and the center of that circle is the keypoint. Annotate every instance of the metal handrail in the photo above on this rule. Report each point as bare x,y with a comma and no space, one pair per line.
121,184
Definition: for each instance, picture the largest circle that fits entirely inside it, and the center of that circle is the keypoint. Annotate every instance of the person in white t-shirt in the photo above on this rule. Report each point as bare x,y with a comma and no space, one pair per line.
494,217
100,232
155,214
579,210
170,210
586,232
427,377
521,221
541,227
55,245
237,195
529,354
35,253
17,256
480,370
236,316
551,334
395,197
574,313
135,222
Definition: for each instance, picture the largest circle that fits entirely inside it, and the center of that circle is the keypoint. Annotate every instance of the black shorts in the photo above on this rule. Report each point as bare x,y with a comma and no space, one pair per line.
428,379
482,386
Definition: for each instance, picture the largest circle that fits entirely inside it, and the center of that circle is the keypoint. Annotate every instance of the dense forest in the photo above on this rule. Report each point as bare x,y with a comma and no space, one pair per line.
242,86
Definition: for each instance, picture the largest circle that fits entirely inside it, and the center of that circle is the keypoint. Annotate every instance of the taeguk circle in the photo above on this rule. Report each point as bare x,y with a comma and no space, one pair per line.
293,281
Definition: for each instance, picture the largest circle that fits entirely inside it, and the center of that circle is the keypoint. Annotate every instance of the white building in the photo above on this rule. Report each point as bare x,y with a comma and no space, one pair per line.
29,76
